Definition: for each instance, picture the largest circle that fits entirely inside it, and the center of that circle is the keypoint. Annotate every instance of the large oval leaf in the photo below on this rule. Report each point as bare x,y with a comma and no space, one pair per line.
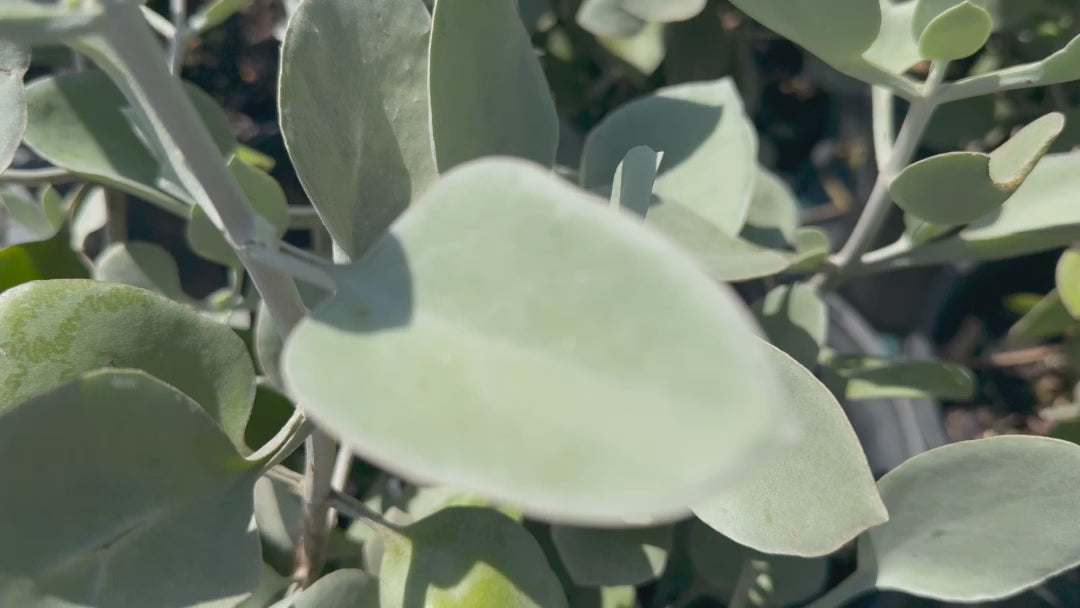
83,123
811,499
128,495
14,61
838,31
708,143
608,379
54,330
489,96
977,521
956,33
466,556
359,137
141,264
50,259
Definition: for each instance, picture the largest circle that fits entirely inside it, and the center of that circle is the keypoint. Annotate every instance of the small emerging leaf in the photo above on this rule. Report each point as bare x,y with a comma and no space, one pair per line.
865,378
1068,281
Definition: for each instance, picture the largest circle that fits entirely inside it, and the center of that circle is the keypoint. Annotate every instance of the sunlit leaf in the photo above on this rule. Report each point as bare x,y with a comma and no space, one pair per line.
864,377
83,123
669,396
708,143
90,216
359,138
55,330
466,556
94,525
663,11
956,33
608,18
141,264
42,218
973,503
489,96
812,498
961,187
795,319
613,557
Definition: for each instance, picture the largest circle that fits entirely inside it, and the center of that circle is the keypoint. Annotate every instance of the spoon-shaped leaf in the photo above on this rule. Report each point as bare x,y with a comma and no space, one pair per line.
956,33
54,330
136,499
359,138
489,96
466,556
612,557
610,379
14,61
140,264
961,187
1005,504
83,123
780,581
708,143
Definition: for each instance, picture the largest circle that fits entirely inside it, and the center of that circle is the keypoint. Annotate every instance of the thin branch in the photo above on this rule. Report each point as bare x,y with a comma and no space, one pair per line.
884,106
348,505
879,204
319,453
116,224
178,41
160,24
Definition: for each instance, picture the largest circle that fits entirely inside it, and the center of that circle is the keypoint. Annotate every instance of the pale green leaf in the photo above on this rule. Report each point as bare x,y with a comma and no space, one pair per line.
141,264
896,48
1068,281
811,499
359,137
634,178
613,557
795,319
977,521
1048,319
608,18
663,11
709,147
644,51
271,587
55,330
598,322
136,499
14,61
277,512
1040,215
956,33
466,556
863,377
779,581
489,96
267,200
960,187
89,217
83,123
724,257
340,589
773,216
1062,66
812,248
32,214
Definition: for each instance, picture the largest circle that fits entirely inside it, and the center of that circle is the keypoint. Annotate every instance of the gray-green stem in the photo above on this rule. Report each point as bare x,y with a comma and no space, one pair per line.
877,207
